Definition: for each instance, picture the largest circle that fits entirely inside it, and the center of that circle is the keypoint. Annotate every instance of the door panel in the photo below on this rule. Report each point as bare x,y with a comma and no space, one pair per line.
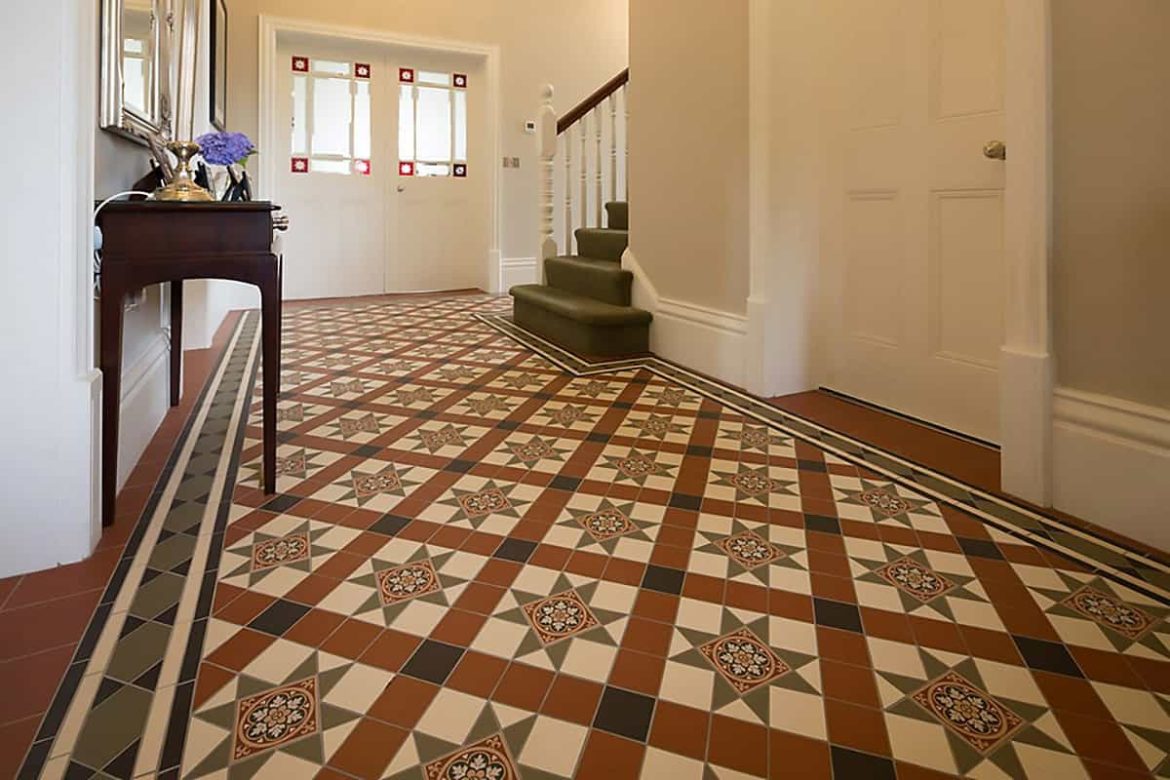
913,211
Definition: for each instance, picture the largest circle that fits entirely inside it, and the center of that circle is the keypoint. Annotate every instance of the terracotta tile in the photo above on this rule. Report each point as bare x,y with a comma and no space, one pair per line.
1155,674
477,674
208,681
790,605
241,610
458,627
1100,740
792,755
738,745
550,557
857,727
90,574
586,564
914,772
937,634
680,729
572,699
498,572
886,625
15,740
637,672
241,649
368,749
836,588
351,638
391,650
843,646
1071,695
849,683
480,597
984,643
608,757
1105,667
704,588
29,682
523,686
403,701
625,572
44,626
647,636
744,596
656,606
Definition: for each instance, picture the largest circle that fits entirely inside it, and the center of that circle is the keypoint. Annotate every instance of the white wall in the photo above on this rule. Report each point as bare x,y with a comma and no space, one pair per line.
49,401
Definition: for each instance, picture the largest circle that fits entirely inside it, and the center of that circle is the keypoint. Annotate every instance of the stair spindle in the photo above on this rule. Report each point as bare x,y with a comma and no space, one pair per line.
548,151
597,186
568,226
626,107
613,155
583,203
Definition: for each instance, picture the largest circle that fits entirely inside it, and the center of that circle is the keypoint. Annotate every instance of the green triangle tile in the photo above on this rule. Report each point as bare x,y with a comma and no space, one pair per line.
563,583
970,670
759,627
367,580
1163,769
513,616
447,581
1030,735
557,653
215,761
516,735
793,681
438,597
587,590
429,748
329,678
223,716
757,701
305,669
529,644
709,773
932,665
333,716
796,660
305,565
245,568
1029,712
966,757
906,685
723,693
908,708
692,657
247,768
1006,759
311,749
532,773
606,615
941,605
730,622
1159,739
485,725
695,637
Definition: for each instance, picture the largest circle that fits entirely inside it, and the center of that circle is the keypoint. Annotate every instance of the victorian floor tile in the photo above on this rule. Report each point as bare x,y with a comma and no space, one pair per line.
490,558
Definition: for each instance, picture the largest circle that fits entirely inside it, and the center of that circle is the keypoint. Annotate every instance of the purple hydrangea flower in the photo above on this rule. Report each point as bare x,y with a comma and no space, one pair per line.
225,148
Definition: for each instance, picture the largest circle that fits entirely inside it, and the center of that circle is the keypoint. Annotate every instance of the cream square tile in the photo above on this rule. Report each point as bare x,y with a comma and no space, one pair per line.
419,617
790,634
1130,706
500,638
451,716
1014,682
588,659
277,661
536,580
463,565
359,688
797,712
633,549
659,763
700,615
614,597
708,563
975,613
346,598
872,594
919,742
553,746
896,658
687,685
1038,762
789,579
279,581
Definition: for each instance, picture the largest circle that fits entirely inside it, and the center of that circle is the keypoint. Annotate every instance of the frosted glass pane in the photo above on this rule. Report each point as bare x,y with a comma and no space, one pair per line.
300,139
331,66
432,77
432,169
434,124
332,114
361,121
460,125
330,166
406,122
134,84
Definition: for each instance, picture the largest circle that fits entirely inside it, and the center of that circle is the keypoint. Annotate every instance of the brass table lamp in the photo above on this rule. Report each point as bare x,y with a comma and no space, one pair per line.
182,187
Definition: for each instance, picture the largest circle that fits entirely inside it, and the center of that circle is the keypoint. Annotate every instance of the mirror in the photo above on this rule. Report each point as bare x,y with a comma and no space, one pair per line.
135,88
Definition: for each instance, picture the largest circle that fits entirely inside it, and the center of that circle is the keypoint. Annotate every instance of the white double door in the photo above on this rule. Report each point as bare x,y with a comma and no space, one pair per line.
912,209
367,231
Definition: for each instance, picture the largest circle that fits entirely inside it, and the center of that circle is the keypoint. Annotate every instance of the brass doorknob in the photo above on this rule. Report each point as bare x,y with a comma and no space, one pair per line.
995,150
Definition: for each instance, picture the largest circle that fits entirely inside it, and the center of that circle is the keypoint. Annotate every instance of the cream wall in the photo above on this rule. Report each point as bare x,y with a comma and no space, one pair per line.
689,149
575,45
1111,169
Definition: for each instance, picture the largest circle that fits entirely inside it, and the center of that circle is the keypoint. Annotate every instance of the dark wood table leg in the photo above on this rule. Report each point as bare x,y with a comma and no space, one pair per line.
176,341
270,315
110,363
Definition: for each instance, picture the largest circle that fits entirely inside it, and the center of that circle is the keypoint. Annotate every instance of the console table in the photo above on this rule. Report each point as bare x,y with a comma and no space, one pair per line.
155,242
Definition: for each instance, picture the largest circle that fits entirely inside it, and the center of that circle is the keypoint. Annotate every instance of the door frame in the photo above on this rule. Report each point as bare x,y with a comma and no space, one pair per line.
784,351
272,26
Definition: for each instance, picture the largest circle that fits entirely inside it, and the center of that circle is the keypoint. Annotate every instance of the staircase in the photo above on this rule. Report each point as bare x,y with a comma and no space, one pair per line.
583,305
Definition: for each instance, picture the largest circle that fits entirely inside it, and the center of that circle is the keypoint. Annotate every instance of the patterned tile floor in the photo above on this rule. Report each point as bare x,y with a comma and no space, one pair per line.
490,560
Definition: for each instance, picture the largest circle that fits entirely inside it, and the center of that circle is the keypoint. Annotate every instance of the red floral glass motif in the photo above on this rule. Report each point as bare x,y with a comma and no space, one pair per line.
362,167
405,168
406,75
361,70
300,64
459,170
300,165
459,80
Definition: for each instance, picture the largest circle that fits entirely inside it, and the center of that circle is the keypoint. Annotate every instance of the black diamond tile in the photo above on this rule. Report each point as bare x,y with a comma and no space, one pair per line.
812,465
980,548
515,550
683,501
426,414
279,617
708,415
560,482
622,405
624,713
597,438
837,614
1048,656
285,436
851,763
826,525
507,425
282,503
368,451
433,661
460,465
390,525
663,579
699,452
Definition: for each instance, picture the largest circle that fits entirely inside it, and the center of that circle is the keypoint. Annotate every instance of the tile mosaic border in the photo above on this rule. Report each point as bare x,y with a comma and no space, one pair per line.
1130,567
71,704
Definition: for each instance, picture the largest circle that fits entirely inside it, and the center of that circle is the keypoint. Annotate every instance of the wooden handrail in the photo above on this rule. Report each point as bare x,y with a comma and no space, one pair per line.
593,101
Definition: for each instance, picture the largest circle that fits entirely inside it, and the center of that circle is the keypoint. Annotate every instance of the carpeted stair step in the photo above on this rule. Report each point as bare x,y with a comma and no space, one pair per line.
579,323
602,243
617,215
600,280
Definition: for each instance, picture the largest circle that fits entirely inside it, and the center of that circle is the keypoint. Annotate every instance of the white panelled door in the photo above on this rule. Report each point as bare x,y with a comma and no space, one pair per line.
328,182
913,208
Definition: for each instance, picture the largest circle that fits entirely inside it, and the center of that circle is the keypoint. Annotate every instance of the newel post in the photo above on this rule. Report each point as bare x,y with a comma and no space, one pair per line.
547,128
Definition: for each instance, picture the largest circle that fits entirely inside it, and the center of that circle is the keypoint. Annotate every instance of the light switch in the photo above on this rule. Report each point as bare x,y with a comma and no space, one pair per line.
515,162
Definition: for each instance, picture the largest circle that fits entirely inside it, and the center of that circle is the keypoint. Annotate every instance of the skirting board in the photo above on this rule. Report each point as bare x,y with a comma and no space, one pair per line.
707,340
1110,463
518,270
145,400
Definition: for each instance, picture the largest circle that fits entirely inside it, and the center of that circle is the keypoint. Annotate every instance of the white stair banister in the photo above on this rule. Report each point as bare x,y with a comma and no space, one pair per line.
613,154
597,188
547,124
626,126
568,226
583,201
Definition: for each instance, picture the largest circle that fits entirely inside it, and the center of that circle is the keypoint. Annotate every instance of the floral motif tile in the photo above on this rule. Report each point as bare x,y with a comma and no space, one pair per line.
560,616
487,759
744,660
275,717
406,582
974,715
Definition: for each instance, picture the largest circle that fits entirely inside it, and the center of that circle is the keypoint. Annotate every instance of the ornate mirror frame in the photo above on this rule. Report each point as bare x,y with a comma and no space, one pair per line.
116,115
